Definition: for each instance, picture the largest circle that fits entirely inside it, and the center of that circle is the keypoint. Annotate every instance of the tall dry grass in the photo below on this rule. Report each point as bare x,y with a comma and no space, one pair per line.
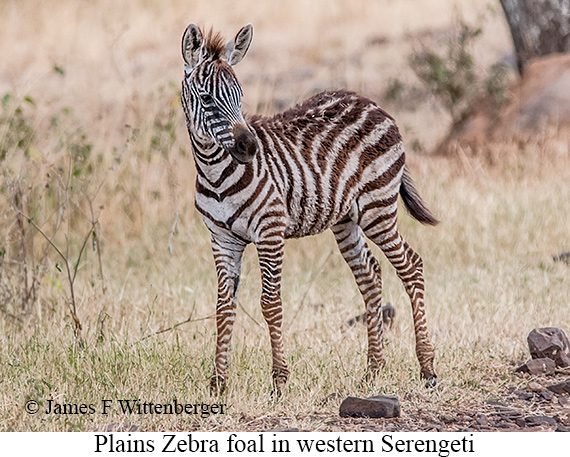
93,122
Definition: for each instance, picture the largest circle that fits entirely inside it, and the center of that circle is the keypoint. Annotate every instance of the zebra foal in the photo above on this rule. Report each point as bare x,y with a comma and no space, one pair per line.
335,161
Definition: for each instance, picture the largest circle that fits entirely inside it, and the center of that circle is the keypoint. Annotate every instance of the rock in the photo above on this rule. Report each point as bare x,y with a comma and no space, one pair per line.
482,420
496,402
507,413
550,342
536,367
561,428
505,425
535,387
447,418
546,395
560,388
564,401
432,428
523,394
535,421
378,406
562,257
520,422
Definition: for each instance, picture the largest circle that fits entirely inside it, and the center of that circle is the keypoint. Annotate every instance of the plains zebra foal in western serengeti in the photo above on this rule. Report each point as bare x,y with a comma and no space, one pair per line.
335,161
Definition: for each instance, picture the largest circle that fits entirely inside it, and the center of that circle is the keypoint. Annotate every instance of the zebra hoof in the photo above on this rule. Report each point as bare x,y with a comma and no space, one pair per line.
374,368
217,385
431,382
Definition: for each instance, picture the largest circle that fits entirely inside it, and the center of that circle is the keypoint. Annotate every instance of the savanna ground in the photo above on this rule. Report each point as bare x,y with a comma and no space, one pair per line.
95,154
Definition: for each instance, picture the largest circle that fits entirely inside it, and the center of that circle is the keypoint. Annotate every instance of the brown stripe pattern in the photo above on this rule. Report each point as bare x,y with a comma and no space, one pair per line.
335,161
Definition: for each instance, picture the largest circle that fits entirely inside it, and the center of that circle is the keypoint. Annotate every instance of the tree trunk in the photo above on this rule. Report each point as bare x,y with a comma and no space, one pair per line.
538,27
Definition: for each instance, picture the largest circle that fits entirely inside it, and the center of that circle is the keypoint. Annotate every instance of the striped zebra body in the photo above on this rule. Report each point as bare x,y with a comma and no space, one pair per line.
335,161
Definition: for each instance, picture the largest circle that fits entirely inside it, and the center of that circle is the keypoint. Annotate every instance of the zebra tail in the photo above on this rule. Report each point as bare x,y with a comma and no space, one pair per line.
413,202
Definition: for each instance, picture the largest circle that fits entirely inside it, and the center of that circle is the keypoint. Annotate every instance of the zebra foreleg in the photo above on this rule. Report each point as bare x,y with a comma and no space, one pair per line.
227,257
366,271
270,261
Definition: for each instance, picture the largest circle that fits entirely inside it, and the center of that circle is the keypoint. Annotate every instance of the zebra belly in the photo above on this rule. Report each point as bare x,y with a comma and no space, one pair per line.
311,216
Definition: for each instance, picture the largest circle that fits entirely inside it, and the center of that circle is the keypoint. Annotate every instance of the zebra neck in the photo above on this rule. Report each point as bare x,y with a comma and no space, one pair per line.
216,169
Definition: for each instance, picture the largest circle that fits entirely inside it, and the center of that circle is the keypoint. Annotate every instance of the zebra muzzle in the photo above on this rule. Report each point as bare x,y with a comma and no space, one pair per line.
245,145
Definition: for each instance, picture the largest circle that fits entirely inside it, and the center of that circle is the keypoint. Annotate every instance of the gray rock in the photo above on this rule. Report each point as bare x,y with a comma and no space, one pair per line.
536,367
561,428
447,418
482,420
523,394
560,388
550,342
378,406
535,421
520,422
546,395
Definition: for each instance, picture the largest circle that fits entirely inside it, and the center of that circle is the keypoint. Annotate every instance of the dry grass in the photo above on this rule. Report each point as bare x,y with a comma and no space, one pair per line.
489,269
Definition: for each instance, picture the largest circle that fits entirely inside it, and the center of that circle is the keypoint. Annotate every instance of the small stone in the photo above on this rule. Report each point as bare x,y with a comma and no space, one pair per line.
433,427
536,367
564,401
495,402
447,418
378,406
547,395
523,394
551,343
482,420
560,388
520,422
507,413
535,421
535,387
505,425
561,428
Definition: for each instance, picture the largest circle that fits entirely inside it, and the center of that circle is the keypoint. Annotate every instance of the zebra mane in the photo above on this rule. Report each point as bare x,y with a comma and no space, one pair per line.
214,44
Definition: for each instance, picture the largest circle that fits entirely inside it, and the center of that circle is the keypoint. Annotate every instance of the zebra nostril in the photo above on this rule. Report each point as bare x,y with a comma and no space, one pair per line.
245,146
241,146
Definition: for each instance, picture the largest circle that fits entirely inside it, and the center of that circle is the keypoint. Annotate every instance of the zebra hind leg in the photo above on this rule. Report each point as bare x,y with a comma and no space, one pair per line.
409,268
366,271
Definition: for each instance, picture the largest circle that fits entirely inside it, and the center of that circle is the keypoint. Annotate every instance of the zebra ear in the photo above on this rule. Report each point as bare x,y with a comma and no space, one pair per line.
191,45
237,48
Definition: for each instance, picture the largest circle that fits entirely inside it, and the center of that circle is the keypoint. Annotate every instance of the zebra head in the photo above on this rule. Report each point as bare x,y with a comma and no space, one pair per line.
211,93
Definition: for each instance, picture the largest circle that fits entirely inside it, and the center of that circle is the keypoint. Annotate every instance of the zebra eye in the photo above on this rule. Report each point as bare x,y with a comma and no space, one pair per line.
207,99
